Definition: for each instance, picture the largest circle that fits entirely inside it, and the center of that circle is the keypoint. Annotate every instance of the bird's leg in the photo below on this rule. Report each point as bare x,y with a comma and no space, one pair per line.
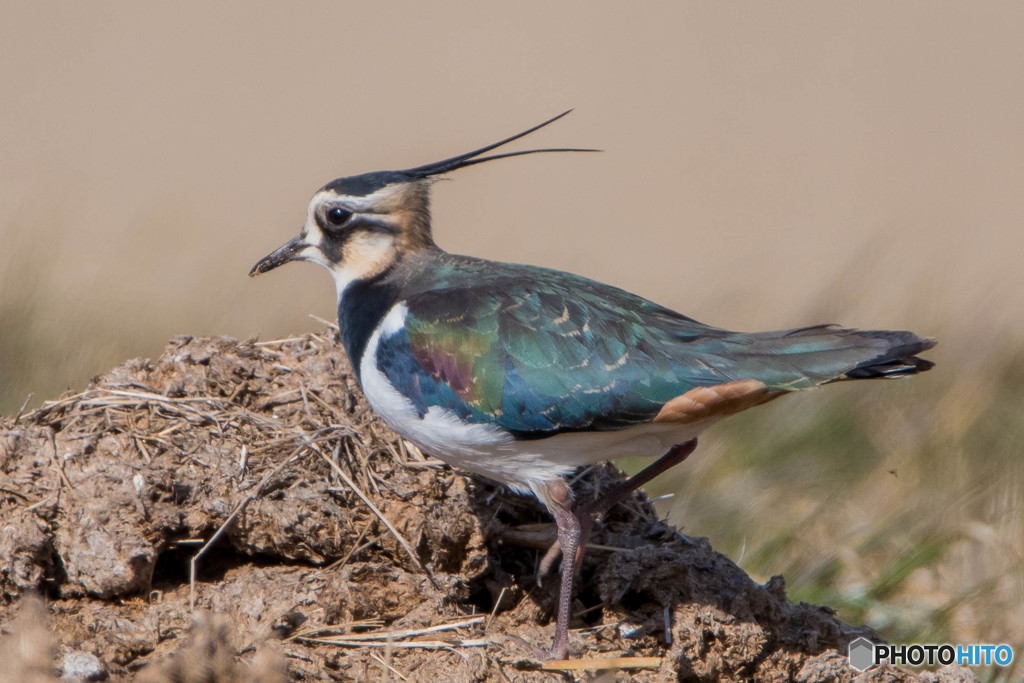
593,510
589,513
548,560
574,529
559,502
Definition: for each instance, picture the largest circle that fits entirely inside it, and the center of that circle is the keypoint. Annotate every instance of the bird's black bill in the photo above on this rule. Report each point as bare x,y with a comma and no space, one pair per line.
286,253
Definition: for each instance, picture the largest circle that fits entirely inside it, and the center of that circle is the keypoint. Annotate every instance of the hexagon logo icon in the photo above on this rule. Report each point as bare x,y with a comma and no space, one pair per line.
862,654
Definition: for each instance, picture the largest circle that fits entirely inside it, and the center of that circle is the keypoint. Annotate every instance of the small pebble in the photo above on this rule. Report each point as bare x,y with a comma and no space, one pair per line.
629,630
82,666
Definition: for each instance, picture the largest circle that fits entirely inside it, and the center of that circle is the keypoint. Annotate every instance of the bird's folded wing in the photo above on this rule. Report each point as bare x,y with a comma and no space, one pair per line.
563,353
539,363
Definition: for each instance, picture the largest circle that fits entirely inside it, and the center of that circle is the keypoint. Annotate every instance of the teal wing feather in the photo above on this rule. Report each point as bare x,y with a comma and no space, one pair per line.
538,352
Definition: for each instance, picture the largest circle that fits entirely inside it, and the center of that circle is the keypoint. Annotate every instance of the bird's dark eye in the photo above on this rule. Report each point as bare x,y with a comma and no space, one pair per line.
338,217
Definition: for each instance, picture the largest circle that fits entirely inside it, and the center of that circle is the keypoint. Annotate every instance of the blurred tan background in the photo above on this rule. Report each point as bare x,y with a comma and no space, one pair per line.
766,165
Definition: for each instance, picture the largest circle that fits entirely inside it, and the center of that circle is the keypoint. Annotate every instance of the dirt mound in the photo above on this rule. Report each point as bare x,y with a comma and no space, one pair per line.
331,549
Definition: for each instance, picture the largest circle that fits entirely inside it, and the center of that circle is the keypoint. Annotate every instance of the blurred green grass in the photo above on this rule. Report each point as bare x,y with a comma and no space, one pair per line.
897,503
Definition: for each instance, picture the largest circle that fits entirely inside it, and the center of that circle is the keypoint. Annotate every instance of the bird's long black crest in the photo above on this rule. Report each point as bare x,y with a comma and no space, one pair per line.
368,183
471,158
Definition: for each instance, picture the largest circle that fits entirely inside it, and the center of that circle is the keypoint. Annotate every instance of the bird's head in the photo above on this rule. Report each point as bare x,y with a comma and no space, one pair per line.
358,227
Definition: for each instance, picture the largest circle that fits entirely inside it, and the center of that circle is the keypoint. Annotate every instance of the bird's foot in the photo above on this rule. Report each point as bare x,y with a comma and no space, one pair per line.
525,651
559,648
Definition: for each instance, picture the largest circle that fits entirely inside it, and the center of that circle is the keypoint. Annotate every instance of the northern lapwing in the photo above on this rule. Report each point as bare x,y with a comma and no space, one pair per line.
522,374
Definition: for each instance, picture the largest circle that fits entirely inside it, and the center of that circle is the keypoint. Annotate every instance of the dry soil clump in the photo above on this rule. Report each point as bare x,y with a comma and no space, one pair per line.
338,551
